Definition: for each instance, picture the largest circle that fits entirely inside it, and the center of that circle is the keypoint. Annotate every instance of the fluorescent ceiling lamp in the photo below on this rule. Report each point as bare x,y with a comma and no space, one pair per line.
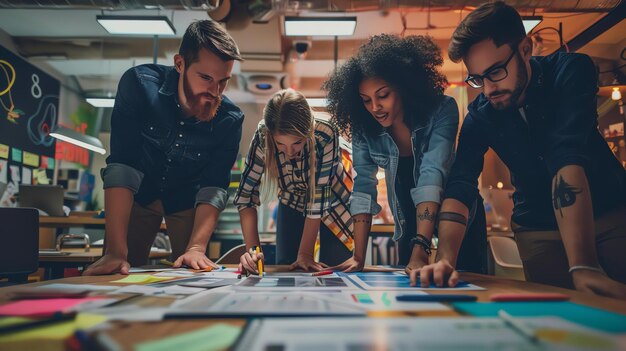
319,26
73,137
530,22
317,102
137,25
101,102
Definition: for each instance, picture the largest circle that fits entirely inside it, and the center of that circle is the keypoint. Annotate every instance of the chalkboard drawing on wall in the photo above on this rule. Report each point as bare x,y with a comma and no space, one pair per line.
29,102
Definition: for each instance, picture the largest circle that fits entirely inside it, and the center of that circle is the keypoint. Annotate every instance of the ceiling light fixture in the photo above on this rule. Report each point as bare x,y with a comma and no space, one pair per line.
101,101
319,26
530,22
73,137
137,25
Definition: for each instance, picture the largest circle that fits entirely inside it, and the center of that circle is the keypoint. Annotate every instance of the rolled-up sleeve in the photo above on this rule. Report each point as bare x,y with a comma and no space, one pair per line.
248,192
463,181
121,175
439,154
575,115
124,163
364,195
216,174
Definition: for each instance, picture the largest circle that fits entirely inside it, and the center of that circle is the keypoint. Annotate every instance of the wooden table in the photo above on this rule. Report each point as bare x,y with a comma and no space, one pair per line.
56,264
127,334
77,219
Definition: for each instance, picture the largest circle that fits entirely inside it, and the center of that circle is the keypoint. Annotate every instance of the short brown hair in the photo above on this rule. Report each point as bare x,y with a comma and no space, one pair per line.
210,35
496,21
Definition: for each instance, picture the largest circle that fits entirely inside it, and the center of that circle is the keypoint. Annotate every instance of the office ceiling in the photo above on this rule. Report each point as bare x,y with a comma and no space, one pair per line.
64,34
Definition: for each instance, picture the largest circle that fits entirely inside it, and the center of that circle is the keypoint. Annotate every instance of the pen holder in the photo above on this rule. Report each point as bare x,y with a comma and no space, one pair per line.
63,238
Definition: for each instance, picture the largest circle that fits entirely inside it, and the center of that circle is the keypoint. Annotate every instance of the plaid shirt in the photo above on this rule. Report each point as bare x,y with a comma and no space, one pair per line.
333,182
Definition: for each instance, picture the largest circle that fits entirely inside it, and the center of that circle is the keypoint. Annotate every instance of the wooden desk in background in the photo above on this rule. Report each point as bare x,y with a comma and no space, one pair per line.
128,334
77,219
55,264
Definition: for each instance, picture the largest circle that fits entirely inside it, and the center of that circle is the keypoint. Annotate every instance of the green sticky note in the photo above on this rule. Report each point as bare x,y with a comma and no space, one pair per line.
141,279
16,155
216,337
56,331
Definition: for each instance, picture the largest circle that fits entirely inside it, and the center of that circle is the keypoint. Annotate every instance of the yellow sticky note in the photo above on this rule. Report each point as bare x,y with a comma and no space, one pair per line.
141,279
56,331
30,159
4,151
13,320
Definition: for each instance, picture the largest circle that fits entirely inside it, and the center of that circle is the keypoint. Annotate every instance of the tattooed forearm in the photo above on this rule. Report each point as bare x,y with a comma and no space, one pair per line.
563,195
426,215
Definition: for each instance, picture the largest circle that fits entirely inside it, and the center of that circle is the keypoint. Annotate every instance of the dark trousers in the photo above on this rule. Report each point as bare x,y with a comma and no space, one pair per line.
473,252
289,226
545,260
144,224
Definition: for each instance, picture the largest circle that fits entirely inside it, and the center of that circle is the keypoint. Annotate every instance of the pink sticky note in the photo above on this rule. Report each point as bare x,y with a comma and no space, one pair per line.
40,308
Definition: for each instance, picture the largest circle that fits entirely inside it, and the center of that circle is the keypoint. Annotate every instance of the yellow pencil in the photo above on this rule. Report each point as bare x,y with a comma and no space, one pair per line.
259,262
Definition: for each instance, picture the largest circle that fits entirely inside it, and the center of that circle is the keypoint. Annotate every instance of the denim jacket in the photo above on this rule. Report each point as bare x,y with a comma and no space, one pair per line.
433,151
159,153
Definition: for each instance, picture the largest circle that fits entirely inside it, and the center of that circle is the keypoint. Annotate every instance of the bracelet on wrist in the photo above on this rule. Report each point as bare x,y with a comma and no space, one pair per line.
423,242
585,268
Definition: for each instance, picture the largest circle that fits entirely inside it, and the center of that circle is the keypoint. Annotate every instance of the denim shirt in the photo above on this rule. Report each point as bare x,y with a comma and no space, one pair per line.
433,152
556,127
159,153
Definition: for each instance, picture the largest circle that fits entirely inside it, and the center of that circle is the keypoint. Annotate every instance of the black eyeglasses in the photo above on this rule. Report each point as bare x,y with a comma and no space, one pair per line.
495,74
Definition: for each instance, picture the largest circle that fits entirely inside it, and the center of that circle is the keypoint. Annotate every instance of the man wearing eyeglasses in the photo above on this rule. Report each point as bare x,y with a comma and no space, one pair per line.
539,115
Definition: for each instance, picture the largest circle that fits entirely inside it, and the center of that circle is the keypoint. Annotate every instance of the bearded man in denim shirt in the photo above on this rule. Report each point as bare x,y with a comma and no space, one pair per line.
539,114
174,139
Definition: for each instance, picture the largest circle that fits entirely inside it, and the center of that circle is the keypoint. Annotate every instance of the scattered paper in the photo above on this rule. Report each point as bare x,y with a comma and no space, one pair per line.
157,291
219,336
41,307
56,331
78,287
141,279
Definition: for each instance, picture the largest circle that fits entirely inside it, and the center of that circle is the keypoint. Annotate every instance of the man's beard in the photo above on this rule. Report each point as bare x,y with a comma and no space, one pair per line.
514,95
202,111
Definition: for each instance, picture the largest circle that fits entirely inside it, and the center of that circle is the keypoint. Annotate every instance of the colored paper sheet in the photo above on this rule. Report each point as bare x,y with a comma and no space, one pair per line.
216,337
40,308
141,279
4,151
56,331
16,155
15,174
4,171
40,177
27,176
4,321
51,163
30,159
583,315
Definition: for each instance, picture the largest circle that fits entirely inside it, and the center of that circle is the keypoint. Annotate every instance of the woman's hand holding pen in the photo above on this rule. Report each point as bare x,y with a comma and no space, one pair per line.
307,263
350,265
249,261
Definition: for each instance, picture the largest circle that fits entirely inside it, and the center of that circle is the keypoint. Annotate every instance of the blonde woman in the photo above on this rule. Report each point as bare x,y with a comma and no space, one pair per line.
299,158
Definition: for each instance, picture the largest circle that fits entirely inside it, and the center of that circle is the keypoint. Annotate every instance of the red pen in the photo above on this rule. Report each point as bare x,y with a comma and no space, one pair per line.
320,273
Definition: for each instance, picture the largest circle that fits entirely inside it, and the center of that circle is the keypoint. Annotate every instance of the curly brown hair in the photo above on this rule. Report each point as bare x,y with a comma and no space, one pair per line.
410,65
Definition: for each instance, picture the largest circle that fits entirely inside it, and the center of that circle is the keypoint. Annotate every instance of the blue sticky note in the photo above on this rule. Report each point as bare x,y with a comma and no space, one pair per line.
584,315
16,155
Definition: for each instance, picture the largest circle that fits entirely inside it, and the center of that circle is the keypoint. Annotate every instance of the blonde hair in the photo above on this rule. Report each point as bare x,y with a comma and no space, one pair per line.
287,112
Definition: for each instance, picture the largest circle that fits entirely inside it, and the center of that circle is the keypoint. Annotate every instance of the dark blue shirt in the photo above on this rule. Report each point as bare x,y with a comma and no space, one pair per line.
560,129
159,153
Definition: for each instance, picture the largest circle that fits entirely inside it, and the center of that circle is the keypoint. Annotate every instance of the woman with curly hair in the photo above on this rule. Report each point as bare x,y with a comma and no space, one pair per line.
389,98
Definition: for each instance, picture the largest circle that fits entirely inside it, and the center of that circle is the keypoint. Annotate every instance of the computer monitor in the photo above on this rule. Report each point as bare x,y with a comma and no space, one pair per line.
19,242
48,198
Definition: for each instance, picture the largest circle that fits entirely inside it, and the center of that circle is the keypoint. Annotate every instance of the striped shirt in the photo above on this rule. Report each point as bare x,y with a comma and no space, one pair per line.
333,182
